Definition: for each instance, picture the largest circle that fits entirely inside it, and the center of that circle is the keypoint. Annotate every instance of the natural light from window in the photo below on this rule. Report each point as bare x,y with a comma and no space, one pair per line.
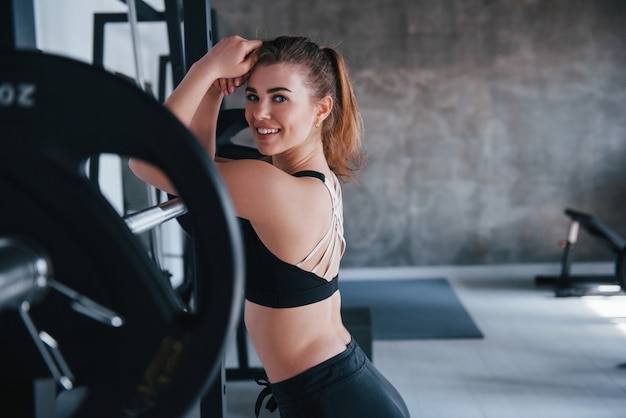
612,307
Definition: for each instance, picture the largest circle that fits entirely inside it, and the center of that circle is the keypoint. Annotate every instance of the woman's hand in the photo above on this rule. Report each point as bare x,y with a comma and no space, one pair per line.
232,59
197,98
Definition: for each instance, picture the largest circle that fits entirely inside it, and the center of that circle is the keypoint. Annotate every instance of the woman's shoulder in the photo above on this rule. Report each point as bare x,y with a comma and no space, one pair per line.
263,193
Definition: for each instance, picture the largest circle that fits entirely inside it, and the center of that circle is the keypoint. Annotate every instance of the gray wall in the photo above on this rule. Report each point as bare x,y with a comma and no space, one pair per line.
483,121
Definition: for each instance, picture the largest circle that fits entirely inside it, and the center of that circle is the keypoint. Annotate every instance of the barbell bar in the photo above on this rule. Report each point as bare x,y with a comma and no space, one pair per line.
151,217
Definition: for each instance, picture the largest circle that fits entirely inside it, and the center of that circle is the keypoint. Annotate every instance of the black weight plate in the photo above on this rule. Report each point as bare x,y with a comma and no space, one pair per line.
55,113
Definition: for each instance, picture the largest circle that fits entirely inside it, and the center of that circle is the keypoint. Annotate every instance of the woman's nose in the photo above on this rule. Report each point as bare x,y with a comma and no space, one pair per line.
260,111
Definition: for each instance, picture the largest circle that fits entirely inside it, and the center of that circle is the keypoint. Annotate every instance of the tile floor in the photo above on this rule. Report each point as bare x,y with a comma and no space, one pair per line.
541,356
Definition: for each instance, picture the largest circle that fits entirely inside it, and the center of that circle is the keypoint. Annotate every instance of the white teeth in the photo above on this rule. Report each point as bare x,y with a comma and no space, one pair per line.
264,131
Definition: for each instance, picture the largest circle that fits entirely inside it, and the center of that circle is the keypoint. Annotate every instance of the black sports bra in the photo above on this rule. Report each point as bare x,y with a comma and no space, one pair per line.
274,283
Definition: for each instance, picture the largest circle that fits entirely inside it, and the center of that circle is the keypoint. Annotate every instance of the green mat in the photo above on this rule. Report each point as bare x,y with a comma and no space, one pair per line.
411,309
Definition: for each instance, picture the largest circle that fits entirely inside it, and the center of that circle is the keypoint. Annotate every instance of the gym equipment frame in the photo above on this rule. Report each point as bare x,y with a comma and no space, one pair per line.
568,285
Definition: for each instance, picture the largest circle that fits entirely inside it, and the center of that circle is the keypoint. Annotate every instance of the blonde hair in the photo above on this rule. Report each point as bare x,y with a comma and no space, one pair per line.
326,74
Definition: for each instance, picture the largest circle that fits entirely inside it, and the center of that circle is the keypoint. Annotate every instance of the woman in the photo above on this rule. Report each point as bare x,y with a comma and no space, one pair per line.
304,119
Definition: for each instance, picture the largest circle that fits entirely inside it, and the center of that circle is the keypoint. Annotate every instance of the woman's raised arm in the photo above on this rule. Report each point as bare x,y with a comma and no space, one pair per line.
196,100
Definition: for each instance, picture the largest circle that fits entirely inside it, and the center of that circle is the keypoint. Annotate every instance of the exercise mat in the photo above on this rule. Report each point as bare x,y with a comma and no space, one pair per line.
411,309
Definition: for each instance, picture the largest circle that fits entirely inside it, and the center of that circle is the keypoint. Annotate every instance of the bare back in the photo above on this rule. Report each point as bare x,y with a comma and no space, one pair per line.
291,340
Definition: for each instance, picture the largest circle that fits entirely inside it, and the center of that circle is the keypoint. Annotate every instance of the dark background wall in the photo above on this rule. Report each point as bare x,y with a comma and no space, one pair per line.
484,120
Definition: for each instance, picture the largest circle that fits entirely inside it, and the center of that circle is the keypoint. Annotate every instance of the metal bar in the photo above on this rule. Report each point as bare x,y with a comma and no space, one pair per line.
145,11
85,306
156,239
568,253
17,25
198,31
164,60
100,20
61,378
134,32
173,19
149,218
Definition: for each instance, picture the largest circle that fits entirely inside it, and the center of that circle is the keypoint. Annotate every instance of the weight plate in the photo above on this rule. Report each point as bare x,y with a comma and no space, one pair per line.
55,113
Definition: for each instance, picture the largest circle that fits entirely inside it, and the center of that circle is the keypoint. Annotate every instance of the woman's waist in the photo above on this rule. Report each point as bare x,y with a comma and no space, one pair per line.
282,363
319,377
289,343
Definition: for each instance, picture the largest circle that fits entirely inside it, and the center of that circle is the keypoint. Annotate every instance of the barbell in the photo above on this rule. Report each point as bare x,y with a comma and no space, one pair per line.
70,262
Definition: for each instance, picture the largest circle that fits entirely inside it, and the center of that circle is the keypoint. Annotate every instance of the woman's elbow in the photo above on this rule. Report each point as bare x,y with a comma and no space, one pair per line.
151,175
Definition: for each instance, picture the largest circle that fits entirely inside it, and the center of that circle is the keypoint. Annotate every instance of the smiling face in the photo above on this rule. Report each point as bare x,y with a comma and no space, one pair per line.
279,108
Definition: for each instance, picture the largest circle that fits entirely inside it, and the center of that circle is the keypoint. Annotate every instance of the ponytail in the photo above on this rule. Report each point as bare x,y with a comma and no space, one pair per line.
343,134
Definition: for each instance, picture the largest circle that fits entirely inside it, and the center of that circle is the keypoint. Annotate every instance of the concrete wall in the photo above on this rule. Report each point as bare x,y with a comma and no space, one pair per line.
484,121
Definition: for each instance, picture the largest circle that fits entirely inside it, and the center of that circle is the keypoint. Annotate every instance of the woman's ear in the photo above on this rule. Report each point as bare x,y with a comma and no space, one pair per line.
324,106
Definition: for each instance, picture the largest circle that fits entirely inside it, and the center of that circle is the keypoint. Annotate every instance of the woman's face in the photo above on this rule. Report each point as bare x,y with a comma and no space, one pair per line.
279,108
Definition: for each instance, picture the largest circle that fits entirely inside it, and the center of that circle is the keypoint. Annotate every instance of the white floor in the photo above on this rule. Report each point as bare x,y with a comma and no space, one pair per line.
541,356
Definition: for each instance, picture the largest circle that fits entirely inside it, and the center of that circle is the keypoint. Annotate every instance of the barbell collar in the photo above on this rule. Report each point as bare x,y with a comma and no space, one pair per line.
23,273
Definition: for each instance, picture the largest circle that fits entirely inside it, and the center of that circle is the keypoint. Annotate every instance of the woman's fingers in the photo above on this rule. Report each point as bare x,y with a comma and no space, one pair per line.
234,56
237,82
223,85
229,85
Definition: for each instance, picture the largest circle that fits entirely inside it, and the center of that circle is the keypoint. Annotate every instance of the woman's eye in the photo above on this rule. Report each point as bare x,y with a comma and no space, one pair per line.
252,98
280,99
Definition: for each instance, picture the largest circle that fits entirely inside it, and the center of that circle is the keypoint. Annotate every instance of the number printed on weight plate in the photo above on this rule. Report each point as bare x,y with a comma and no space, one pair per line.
17,94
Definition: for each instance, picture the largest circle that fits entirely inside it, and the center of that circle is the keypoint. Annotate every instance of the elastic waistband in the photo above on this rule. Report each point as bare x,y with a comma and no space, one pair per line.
313,380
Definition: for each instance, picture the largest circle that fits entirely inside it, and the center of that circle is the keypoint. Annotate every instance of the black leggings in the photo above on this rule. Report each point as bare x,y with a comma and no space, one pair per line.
347,385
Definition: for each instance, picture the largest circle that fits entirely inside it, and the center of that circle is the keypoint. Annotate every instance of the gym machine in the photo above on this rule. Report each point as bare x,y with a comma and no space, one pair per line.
90,326
567,284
